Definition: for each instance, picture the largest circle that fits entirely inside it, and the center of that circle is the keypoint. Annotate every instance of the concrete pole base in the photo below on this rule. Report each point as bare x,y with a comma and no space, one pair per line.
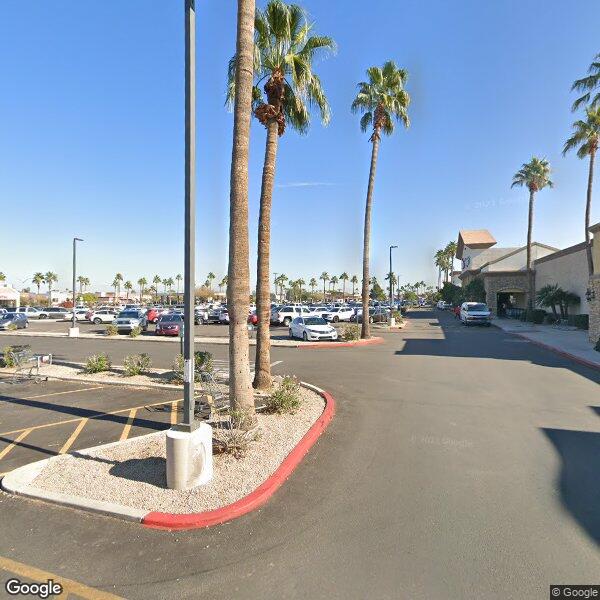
73,331
189,457
392,322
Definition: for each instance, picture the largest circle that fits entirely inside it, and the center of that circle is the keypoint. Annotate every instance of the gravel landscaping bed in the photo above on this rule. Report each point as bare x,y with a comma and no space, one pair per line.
133,473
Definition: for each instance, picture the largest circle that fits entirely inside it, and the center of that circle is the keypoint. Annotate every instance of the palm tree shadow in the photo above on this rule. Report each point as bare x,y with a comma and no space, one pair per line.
579,480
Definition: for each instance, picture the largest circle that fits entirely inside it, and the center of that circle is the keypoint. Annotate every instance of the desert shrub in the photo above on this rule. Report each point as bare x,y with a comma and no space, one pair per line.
97,363
135,332
111,330
285,398
11,327
233,432
350,333
203,363
136,364
7,360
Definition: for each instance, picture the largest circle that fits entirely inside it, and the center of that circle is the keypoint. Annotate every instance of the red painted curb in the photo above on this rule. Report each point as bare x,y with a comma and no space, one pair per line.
260,495
573,357
370,342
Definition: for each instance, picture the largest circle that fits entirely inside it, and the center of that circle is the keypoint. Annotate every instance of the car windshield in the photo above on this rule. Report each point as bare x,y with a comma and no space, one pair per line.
171,318
476,307
128,314
334,310
315,321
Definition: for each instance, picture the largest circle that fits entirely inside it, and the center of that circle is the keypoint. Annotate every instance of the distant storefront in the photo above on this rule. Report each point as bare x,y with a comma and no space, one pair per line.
9,297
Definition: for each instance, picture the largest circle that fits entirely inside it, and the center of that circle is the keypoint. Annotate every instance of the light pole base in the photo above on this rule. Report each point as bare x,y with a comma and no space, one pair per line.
73,331
189,457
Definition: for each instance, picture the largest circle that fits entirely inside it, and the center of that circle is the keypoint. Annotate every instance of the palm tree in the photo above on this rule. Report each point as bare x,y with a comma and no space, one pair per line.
440,263
300,283
128,286
325,277
117,284
210,278
344,277
381,100
142,282
38,279
49,279
284,51
2,277
169,283
585,138
282,279
587,85
450,253
241,396
223,283
334,282
156,280
535,175
313,284
178,278
154,291
81,280
353,281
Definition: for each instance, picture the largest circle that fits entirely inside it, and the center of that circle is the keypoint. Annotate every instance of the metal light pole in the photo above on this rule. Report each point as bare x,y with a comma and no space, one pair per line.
75,240
190,214
391,282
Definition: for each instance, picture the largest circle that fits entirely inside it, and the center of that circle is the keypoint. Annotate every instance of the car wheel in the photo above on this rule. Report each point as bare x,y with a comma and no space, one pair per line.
43,316
287,321
305,337
370,319
290,333
336,319
26,325
97,321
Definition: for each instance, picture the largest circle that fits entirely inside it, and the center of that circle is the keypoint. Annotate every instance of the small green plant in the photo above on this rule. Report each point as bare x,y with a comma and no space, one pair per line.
111,330
350,333
7,360
203,363
11,327
233,431
137,364
285,398
135,331
97,363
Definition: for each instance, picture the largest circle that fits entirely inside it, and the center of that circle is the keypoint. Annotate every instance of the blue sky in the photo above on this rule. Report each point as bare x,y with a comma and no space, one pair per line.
92,141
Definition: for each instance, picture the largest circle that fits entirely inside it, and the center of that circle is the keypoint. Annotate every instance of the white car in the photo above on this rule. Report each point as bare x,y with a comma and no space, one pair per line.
341,313
312,328
319,311
475,313
29,311
106,315
286,314
55,312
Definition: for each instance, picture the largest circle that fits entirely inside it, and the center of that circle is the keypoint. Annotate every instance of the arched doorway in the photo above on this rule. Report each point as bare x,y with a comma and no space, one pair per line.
510,302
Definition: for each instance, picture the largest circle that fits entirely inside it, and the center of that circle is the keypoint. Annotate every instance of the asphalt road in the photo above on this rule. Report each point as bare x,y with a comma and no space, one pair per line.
462,463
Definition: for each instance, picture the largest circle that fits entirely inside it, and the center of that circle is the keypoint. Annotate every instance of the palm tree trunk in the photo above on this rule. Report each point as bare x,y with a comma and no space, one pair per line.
588,209
238,290
344,291
262,365
365,331
529,232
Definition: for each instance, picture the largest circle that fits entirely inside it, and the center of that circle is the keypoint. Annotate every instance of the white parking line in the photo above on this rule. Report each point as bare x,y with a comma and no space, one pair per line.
277,362
98,387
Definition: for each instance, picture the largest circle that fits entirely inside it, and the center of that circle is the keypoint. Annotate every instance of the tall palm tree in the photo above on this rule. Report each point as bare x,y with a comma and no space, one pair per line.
81,281
381,100
587,85
282,279
334,282
354,281
241,396
142,282
535,175
170,282
313,284
325,277
223,282
49,279
38,279
585,138
284,51
210,278
117,284
178,278
440,262
344,277
156,281
300,283
128,286
450,253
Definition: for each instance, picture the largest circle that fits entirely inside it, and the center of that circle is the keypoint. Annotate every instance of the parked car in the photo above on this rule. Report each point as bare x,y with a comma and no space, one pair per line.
224,316
80,314
55,312
456,311
286,314
29,311
213,315
128,320
152,315
475,313
13,321
105,315
253,319
377,314
342,313
171,324
200,315
312,328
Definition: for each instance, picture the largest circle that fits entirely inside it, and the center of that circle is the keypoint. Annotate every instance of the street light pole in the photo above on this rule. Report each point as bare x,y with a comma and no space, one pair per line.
190,214
75,240
391,275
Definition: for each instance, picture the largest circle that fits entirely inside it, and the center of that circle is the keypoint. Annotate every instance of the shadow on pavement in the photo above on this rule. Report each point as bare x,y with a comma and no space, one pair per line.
479,342
579,479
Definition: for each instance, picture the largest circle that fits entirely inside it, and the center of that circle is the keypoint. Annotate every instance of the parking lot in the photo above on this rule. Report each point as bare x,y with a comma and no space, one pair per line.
54,417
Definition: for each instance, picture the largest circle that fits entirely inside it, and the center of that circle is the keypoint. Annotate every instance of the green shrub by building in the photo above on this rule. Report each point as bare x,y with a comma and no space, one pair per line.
136,364
285,398
97,363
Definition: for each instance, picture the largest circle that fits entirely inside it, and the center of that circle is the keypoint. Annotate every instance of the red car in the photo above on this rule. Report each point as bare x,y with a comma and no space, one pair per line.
169,324
253,319
456,311
152,315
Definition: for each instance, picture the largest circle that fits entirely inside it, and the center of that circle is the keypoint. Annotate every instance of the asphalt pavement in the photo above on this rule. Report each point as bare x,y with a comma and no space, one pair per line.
462,463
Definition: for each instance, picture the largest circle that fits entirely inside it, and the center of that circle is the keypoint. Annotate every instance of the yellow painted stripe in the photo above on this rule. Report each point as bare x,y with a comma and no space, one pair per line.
13,444
127,427
98,387
69,586
174,411
98,416
73,437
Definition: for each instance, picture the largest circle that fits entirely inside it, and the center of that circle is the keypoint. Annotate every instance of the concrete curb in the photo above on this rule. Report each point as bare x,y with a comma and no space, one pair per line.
17,481
573,357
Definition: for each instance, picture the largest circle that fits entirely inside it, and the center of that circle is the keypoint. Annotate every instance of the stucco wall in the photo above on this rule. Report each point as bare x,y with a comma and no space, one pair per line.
501,283
570,272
